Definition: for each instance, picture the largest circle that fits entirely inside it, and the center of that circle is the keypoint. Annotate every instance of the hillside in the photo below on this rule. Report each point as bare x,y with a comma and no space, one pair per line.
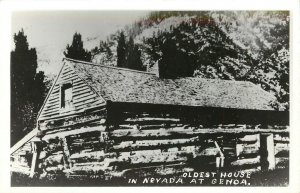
250,46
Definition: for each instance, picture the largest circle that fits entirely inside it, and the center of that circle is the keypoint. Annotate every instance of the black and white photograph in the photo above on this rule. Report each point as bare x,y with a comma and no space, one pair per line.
150,98
168,96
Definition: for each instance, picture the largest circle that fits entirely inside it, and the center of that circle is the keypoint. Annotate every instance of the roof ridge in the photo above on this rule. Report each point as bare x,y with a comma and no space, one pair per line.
224,80
112,67
138,71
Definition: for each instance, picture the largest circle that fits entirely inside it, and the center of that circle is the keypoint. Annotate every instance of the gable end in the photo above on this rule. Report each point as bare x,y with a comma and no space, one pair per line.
69,94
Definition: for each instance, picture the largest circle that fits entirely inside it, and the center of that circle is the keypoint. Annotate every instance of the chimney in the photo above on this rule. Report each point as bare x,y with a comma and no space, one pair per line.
154,69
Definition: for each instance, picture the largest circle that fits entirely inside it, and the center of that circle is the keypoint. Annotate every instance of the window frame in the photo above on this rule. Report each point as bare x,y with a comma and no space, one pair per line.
63,87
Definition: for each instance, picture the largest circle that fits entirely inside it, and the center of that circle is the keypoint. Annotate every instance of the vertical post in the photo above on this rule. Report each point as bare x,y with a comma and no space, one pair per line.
104,140
267,152
219,160
67,160
35,157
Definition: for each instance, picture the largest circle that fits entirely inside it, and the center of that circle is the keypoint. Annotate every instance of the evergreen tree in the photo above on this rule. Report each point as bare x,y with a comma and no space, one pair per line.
129,53
27,88
76,50
121,50
137,63
134,56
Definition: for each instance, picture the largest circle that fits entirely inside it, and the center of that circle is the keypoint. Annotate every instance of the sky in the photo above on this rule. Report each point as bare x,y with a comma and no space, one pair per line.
50,31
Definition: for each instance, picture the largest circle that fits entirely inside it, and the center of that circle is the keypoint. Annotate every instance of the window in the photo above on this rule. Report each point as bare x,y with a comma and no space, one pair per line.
66,96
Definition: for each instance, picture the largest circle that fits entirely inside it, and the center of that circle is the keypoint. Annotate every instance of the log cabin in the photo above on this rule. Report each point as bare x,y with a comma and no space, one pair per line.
105,120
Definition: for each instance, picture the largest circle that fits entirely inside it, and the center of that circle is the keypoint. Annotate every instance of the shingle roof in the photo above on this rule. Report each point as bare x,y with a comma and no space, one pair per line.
124,85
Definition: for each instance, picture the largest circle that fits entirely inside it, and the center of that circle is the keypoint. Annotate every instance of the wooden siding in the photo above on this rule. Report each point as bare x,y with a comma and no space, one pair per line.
83,96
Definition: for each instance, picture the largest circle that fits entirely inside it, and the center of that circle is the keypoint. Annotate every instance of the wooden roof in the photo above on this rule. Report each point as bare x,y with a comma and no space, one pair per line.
124,85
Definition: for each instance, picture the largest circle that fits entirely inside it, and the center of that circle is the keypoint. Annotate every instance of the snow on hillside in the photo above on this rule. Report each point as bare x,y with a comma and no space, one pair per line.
238,45
250,30
164,25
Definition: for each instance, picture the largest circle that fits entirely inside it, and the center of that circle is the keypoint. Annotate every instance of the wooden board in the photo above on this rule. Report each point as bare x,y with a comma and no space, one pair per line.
83,95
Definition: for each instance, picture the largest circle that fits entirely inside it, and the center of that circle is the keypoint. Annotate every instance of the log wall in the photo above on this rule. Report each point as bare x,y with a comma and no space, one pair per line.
282,146
141,140
20,160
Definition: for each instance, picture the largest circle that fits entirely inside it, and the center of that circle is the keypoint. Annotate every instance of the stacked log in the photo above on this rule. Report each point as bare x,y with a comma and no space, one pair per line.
21,159
139,141
282,146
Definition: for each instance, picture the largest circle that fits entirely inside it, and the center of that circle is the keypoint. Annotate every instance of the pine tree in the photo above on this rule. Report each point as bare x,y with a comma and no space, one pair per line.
121,50
129,53
133,56
137,63
76,50
27,88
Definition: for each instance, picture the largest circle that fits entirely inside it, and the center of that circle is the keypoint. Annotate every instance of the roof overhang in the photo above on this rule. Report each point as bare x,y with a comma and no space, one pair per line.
24,140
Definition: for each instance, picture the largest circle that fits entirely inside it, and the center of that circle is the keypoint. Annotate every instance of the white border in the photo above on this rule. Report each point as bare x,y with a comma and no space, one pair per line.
7,7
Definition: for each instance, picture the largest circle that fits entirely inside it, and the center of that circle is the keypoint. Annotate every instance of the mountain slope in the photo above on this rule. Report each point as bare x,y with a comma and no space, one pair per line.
250,46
